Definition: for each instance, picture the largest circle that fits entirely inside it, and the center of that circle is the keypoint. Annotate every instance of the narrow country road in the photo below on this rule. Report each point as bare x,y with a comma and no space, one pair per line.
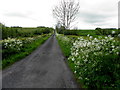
43,68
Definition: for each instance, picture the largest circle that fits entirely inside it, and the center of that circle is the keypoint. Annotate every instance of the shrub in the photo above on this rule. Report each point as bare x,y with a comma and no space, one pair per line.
96,62
107,31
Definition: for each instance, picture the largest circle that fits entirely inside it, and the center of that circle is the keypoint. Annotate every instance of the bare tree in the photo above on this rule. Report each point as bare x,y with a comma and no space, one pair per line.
66,12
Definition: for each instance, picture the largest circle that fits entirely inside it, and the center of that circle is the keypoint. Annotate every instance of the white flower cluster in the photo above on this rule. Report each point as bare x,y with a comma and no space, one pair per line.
14,43
119,35
28,40
63,38
113,32
84,50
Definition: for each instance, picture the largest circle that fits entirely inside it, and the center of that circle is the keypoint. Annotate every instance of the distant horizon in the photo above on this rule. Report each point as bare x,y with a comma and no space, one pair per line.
71,28
52,26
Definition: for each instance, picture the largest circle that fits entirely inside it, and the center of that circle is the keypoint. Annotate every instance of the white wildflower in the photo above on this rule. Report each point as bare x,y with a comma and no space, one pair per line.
109,35
88,35
113,46
75,71
117,53
113,32
91,37
118,35
85,60
73,59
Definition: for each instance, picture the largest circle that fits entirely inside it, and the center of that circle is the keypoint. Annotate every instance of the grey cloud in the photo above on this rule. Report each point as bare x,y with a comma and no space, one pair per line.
93,18
14,14
20,15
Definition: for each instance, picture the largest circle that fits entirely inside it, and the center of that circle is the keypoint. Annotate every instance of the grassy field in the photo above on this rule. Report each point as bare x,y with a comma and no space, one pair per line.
93,60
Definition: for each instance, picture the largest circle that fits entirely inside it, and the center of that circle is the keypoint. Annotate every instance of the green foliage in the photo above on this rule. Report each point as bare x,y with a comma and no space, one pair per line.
94,61
14,32
95,33
107,31
77,32
65,44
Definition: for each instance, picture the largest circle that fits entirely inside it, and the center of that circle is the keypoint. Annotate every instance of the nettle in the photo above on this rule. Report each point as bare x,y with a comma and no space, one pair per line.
96,61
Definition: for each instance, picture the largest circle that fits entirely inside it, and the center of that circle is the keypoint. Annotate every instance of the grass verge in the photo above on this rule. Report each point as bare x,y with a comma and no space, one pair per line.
65,46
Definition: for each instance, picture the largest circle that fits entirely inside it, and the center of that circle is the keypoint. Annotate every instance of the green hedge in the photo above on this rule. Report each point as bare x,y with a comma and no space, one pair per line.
77,32
14,32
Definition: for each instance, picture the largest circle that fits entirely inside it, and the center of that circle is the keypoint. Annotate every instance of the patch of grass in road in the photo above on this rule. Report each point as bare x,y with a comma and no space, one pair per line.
27,50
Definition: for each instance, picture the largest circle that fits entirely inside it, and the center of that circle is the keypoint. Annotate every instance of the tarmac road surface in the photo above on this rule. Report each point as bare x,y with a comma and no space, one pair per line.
43,68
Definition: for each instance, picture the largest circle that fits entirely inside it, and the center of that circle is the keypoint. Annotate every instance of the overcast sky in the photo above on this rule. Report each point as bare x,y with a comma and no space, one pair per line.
33,13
